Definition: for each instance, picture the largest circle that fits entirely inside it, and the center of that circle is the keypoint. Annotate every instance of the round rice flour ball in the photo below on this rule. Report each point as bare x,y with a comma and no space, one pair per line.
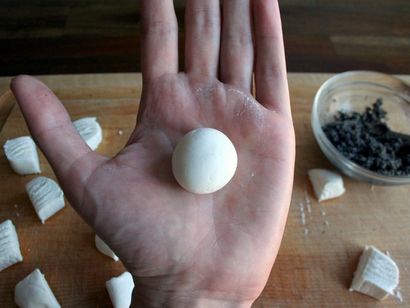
204,161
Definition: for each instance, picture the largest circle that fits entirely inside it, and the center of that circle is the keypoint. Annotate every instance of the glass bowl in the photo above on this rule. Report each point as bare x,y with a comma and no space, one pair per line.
354,91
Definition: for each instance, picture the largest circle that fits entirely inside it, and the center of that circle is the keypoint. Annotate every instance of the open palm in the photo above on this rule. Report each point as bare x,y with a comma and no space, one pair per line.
182,247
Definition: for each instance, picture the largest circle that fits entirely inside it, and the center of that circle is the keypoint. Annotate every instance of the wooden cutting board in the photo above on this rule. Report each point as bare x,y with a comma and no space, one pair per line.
322,242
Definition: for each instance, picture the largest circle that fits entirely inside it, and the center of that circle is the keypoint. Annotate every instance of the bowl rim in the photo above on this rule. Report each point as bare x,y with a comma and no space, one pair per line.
344,164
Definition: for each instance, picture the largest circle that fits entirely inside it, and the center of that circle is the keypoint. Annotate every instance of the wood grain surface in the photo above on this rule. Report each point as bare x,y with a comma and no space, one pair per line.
318,254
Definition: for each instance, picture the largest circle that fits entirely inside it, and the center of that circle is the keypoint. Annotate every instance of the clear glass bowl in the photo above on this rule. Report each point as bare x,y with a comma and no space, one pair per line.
354,91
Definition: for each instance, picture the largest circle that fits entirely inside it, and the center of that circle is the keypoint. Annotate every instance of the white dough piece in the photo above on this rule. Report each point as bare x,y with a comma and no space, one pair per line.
377,275
104,248
120,290
326,184
22,155
46,197
204,161
34,292
9,245
90,131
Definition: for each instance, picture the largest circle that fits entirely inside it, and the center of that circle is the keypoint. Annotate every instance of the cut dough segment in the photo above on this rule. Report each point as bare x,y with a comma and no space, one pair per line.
120,290
326,184
46,197
34,291
22,155
377,275
104,248
9,245
90,131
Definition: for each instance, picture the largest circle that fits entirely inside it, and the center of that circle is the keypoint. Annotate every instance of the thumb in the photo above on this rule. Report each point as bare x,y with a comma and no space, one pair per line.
50,125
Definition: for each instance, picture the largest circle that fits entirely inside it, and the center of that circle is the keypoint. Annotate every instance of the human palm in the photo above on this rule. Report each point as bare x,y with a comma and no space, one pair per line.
180,246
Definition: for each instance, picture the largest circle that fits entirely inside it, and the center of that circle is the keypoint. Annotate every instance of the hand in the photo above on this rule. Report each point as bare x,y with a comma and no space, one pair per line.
185,249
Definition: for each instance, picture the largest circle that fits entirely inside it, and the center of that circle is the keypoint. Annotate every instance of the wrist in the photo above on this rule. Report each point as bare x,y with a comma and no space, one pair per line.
171,301
158,297
175,300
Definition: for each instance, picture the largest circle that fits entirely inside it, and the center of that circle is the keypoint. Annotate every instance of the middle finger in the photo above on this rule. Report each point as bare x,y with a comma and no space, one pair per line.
237,45
203,27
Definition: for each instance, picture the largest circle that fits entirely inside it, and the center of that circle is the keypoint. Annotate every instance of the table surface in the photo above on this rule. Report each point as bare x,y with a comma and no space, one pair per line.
319,252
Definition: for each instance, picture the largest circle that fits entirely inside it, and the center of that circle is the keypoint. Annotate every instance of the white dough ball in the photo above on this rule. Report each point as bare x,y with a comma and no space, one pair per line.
204,161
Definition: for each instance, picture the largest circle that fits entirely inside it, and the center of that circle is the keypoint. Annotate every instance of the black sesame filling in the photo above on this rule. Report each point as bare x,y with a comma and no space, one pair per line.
365,139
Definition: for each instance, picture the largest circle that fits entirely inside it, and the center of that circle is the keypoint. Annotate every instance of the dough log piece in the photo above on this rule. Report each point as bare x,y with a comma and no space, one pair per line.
377,275
120,290
46,197
34,292
326,184
90,131
104,248
9,245
22,155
